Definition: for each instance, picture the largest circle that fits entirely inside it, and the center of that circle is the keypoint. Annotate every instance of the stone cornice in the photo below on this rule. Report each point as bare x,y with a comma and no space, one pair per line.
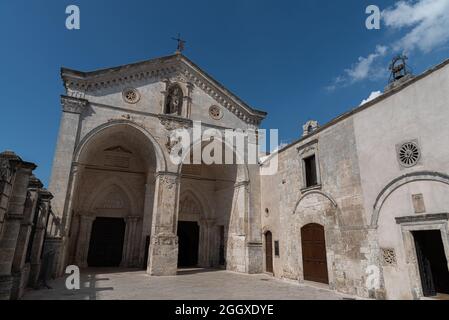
73,105
45,194
176,67
174,122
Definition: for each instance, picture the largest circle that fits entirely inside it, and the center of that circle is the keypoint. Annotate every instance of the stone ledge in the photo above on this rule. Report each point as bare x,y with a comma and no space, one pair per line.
423,217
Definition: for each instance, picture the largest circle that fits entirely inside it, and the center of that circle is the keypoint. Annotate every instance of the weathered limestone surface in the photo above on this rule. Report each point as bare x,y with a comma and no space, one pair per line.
113,160
14,178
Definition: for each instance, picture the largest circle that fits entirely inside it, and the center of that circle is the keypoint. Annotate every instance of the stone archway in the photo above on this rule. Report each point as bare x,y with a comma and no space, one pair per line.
116,164
224,224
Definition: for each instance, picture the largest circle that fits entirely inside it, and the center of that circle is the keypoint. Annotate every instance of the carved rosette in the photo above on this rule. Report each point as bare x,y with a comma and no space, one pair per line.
73,105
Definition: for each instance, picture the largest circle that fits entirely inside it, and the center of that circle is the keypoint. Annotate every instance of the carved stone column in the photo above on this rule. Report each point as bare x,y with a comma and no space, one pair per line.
131,243
82,248
18,176
39,236
163,255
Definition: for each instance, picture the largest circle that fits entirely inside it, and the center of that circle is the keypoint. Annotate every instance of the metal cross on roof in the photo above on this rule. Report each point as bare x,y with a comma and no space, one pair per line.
181,43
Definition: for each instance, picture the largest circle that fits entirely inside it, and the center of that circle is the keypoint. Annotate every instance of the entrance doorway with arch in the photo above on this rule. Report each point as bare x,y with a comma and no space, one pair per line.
314,253
113,198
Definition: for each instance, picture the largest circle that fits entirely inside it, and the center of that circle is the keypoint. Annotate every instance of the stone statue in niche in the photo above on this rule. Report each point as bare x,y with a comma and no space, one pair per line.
173,104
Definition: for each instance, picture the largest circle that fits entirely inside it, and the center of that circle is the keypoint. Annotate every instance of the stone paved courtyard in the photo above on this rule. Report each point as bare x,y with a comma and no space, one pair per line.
189,284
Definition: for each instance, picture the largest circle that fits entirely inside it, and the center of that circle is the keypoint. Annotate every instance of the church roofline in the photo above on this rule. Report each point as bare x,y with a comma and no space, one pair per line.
167,63
367,104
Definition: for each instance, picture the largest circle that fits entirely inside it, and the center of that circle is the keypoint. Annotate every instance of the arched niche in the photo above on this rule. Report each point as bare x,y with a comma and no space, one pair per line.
400,181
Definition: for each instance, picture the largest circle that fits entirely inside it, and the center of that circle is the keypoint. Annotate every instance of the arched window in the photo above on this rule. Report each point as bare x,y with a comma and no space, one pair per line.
174,100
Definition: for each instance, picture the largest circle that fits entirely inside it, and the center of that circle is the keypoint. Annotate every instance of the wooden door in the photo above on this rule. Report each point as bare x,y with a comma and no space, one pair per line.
106,242
314,253
268,252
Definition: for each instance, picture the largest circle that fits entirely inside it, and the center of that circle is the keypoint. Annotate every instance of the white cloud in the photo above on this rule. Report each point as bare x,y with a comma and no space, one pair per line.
428,21
372,96
364,66
424,25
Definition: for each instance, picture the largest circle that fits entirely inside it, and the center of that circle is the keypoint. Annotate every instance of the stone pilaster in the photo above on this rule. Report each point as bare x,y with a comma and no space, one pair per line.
237,232
65,222
82,248
163,255
61,180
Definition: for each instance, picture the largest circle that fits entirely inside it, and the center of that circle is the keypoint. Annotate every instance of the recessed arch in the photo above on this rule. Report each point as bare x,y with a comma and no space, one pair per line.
242,169
400,181
161,163
324,194
112,184
193,199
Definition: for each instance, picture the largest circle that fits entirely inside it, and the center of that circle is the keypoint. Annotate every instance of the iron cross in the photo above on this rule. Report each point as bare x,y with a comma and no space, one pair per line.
181,43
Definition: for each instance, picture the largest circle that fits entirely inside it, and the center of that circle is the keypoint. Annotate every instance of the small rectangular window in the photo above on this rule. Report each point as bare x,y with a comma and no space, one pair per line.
276,248
310,170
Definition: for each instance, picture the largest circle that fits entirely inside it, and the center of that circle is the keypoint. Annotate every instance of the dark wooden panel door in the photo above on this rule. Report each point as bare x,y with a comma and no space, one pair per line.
106,242
188,243
268,252
314,253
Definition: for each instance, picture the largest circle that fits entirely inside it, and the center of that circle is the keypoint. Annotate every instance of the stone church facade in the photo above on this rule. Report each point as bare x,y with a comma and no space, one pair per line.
360,203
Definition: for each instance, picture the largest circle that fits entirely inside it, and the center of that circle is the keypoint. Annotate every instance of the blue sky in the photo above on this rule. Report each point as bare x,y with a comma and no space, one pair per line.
297,60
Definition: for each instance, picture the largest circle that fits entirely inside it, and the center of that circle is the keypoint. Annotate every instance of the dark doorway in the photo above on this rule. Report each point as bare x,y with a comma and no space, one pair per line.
221,253
106,242
268,252
432,262
314,253
188,241
147,249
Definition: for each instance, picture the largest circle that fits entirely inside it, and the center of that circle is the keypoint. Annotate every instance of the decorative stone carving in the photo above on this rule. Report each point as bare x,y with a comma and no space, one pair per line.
189,206
172,123
215,112
112,201
131,95
171,143
408,153
168,180
307,149
165,239
388,256
118,149
73,105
